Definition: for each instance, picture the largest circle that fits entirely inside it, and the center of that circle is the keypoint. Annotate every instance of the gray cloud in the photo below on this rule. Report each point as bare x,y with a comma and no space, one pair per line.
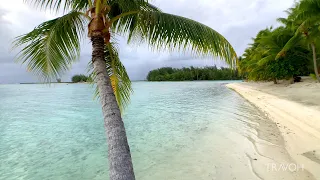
237,20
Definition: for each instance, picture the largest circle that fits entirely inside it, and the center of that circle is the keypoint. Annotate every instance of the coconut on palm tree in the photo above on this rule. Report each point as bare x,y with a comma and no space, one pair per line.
51,48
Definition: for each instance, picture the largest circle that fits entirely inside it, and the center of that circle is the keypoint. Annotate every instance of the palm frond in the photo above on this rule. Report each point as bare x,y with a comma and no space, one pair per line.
291,43
307,9
56,5
266,59
251,66
53,46
131,5
120,80
283,21
167,31
129,16
79,5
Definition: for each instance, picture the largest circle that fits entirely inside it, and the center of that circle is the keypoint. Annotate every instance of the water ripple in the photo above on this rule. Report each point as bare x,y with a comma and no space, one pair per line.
180,130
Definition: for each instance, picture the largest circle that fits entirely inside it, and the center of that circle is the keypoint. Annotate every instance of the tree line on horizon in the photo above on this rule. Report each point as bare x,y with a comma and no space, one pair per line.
286,51
193,74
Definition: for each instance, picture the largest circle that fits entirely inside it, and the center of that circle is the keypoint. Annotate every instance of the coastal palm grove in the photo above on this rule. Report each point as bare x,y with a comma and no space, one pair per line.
53,46
193,74
287,51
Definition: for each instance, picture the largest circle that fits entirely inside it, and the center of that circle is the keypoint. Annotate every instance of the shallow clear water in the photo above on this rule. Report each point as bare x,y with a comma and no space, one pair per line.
176,130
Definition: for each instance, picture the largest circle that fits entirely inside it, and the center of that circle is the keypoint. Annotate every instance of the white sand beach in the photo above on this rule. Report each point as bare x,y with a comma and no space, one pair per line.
295,110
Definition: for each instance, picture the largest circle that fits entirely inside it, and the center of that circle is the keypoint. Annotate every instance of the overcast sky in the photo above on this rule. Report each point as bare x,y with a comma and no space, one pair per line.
237,20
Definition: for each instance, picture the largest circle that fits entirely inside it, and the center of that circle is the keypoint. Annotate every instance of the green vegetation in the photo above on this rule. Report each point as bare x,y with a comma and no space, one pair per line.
192,73
287,51
50,49
81,78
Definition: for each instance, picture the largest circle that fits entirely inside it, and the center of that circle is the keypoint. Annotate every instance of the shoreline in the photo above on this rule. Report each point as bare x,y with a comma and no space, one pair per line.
298,123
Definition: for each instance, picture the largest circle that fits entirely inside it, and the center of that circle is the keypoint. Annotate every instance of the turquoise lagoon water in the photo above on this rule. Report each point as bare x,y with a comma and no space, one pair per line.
176,130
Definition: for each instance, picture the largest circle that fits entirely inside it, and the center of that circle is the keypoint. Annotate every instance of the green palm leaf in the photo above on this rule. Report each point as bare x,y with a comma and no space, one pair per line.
291,43
124,18
130,5
266,59
57,5
162,30
120,80
53,46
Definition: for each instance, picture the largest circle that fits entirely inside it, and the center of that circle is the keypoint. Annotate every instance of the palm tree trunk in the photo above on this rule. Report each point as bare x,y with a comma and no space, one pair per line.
292,80
315,61
120,163
275,81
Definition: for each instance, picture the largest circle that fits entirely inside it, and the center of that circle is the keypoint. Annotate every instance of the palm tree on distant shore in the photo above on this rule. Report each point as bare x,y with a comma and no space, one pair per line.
304,19
51,48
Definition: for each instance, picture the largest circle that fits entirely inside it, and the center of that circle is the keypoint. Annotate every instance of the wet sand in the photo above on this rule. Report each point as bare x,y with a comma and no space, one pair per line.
293,128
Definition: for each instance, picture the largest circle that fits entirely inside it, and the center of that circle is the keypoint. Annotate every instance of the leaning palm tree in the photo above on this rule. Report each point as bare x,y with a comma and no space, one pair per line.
304,18
53,46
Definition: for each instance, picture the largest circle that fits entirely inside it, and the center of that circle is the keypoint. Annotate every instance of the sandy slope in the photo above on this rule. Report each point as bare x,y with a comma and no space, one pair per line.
296,111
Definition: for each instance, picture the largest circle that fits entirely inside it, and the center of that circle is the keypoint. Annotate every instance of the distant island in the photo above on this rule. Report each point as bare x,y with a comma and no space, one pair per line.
80,78
193,74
